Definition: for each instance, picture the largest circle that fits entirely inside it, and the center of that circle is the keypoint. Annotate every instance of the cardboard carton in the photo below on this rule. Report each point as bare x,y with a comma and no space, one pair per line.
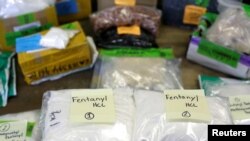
14,27
51,62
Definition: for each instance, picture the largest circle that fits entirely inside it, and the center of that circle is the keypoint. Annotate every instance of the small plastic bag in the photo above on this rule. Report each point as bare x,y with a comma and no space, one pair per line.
232,30
223,87
56,124
13,8
226,88
151,123
57,38
144,72
32,118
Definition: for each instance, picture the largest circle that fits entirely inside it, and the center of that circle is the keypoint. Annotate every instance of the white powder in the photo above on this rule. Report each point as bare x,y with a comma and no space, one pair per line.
151,123
139,73
60,128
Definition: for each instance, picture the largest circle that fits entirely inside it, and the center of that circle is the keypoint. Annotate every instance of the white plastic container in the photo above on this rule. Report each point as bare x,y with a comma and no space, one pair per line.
224,4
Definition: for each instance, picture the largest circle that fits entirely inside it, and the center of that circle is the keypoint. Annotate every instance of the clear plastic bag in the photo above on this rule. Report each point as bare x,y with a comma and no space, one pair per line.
225,88
12,8
151,123
56,104
148,18
232,30
137,72
31,116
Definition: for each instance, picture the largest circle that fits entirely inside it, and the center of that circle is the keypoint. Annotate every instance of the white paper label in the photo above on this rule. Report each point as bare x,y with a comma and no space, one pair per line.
187,105
13,131
240,107
93,106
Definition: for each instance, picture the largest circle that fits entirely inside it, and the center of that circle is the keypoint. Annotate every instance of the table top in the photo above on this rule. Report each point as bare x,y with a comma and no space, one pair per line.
30,97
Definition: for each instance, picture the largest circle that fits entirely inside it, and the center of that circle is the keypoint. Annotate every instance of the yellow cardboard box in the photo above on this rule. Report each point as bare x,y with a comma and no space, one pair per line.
15,27
51,62
84,10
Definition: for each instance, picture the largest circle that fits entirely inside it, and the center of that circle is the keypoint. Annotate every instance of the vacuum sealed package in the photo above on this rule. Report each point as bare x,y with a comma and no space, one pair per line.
12,8
232,30
213,55
146,17
174,11
57,125
137,68
7,77
151,123
235,91
111,39
31,126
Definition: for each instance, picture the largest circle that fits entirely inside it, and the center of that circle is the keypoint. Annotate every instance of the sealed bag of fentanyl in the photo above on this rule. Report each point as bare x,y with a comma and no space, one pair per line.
151,69
235,91
88,115
21,126
177,115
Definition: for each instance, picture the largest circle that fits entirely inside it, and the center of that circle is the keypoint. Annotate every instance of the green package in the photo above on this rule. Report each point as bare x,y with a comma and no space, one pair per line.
5,75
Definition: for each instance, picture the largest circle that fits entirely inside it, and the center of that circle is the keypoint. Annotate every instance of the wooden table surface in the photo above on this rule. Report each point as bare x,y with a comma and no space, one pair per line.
30,97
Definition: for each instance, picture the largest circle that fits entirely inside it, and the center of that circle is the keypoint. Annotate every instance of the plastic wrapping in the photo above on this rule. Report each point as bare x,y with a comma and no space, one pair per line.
232,30
151,123
225,88
137,72
57,38
59,101
225,4
147,18
31,116
13,8
7,77
110,39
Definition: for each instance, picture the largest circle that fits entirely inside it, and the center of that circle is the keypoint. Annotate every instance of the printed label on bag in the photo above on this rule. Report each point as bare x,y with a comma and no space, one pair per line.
193,14
25,19
133,30
125,2
13,131
218,53
240,107
92,106
129,52
27,26
187,105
